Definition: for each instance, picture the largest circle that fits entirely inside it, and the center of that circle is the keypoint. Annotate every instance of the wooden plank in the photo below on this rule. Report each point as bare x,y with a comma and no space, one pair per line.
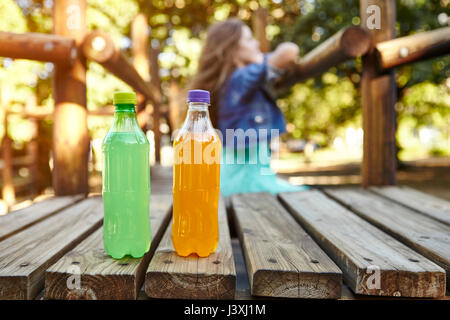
282,260
175,277
363,252
100,276
434,207
19,220
423,234
25,256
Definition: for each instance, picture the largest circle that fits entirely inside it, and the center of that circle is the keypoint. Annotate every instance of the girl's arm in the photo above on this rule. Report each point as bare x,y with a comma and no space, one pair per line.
245,80
283,56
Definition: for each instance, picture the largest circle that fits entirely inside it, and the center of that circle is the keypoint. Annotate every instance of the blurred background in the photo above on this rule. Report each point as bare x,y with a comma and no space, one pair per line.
324,141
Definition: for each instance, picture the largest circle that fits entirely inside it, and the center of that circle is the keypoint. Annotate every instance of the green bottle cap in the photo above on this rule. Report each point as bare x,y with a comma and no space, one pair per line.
123,97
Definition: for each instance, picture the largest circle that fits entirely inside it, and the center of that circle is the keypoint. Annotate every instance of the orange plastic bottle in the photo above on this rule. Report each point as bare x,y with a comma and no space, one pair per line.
196,177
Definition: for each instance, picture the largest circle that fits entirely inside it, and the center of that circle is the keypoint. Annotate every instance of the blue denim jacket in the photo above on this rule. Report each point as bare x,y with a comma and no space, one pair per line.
246,103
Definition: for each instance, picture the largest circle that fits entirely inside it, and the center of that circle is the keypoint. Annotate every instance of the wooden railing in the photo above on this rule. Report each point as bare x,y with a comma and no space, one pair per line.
70,46
420,46
381,53
346,44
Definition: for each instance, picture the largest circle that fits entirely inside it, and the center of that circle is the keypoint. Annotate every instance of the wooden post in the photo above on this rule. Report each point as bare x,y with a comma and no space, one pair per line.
32,147
44,146
259,23
156,88
70,132
175,106
378,97
139,50
8,193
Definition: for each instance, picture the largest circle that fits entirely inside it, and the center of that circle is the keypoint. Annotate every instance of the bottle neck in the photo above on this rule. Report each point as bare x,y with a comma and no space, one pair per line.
197,111
197,118
124,118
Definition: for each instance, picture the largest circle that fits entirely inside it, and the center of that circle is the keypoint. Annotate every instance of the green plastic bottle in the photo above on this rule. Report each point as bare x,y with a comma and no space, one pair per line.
126,183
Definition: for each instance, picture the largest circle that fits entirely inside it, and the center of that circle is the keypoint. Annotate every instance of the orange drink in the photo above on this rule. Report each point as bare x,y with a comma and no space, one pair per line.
196,177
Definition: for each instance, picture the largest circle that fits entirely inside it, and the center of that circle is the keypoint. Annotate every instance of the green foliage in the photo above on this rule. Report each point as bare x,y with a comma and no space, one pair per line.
12,18
318,111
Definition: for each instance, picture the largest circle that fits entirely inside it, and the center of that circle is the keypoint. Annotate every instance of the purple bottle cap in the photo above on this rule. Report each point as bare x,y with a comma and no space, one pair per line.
198,96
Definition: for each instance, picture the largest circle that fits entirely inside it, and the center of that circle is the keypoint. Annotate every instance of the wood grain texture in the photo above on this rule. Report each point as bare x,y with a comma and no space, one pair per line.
38,46
25,256
413,48
423,234
378,98
16,221
175,277
102,277
282,260
434,207
362,251
70,143
348,43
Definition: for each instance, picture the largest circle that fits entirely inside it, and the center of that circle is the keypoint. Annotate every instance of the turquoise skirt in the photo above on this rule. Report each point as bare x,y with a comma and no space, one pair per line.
248,170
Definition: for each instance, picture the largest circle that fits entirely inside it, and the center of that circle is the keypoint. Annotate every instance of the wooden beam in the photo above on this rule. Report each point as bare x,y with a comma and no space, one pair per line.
416,47
99,47
25,256
348,43
378,98
70,131
175,277
101,276
373,262
38,46
423,234
281,258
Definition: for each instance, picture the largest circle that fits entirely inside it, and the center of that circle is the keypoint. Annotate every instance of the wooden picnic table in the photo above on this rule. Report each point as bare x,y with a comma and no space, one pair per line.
332,243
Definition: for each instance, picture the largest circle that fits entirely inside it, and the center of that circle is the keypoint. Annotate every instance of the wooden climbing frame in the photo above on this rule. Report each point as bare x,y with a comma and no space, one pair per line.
70,46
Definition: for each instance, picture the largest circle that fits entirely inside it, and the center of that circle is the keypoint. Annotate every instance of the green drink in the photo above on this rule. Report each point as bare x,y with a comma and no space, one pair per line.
126,183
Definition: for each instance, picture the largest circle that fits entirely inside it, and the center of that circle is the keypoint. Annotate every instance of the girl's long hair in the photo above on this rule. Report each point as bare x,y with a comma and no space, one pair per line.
216,61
